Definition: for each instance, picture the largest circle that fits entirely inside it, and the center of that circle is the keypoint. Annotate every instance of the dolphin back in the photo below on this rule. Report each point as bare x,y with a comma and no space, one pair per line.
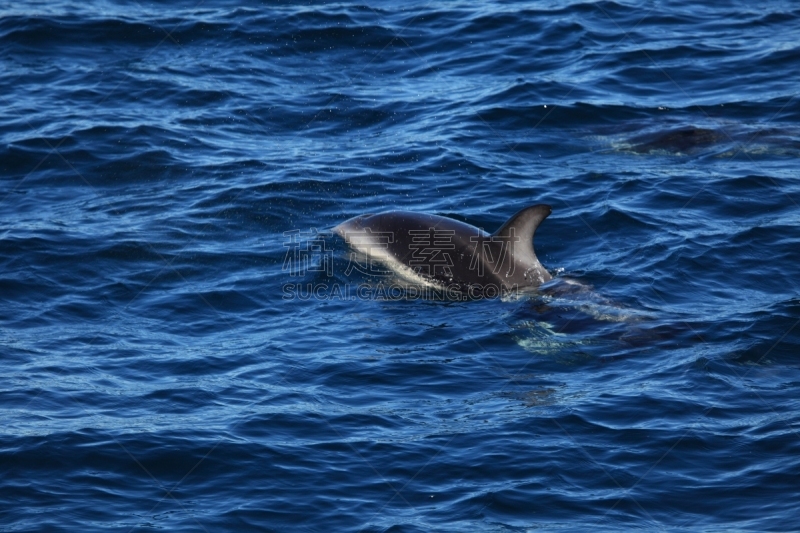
444,251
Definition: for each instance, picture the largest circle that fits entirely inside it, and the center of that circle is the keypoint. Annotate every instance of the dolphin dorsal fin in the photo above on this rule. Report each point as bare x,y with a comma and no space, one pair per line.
518,232
523,225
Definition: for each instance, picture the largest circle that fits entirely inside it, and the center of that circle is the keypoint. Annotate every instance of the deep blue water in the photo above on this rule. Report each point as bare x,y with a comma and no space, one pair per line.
167,175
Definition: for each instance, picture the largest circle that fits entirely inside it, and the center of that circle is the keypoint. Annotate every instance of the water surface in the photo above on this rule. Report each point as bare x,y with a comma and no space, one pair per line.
161,164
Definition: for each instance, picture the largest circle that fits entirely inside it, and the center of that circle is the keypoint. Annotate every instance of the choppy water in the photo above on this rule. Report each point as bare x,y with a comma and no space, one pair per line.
160,164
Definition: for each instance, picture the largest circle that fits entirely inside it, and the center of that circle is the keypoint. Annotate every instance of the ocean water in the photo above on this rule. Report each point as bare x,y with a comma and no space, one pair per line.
184,346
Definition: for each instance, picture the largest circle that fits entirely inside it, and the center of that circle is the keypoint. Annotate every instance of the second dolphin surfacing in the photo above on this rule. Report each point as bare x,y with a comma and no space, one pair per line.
439,251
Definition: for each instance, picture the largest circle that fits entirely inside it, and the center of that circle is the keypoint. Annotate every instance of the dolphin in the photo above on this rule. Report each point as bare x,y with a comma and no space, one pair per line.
442,252
681,141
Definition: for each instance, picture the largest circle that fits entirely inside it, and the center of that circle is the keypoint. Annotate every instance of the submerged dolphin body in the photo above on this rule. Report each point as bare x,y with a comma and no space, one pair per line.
443,252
